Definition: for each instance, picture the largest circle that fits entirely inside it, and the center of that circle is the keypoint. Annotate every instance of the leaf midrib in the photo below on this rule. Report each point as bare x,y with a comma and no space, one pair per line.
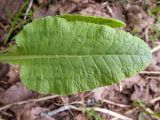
26,57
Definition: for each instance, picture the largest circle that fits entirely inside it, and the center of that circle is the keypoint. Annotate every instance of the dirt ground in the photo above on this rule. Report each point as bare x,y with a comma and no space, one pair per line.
136,98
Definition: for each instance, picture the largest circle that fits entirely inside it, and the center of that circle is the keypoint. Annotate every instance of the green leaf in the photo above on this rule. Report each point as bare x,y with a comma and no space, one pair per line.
65,57
92,19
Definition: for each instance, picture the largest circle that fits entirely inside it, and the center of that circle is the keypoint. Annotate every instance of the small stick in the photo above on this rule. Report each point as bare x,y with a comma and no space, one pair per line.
155,100
150,72
155,49
111,113
116,104
54,112
146,33
110,10
28,9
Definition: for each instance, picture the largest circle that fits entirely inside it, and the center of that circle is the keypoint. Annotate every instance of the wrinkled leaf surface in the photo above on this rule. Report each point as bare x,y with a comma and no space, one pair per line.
65,57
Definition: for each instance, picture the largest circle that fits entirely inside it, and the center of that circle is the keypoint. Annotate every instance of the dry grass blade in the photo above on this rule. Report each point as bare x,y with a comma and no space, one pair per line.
150,72
28,9
103,110
116,104
155,49
111,113
155,100
54,112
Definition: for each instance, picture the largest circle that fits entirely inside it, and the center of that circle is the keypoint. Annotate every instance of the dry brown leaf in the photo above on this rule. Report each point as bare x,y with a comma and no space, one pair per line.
4,68
67,7
95,10
142,92
15,93
154,66
42,12
100,93
32,114
117,12
79,117
136,16
62,116
154,86
9,8
13,73
129,82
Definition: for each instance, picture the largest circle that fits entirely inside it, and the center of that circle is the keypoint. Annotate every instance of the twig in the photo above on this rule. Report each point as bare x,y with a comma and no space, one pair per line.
155,100
49,114
67,107
115,118
111,113
155,49
110,10
150,72
28,9
27,101
146,33
153,77
116,104
104,4
120,87
127,112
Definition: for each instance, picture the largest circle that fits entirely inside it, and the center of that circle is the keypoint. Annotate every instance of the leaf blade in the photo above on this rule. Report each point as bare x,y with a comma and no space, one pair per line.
75,56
